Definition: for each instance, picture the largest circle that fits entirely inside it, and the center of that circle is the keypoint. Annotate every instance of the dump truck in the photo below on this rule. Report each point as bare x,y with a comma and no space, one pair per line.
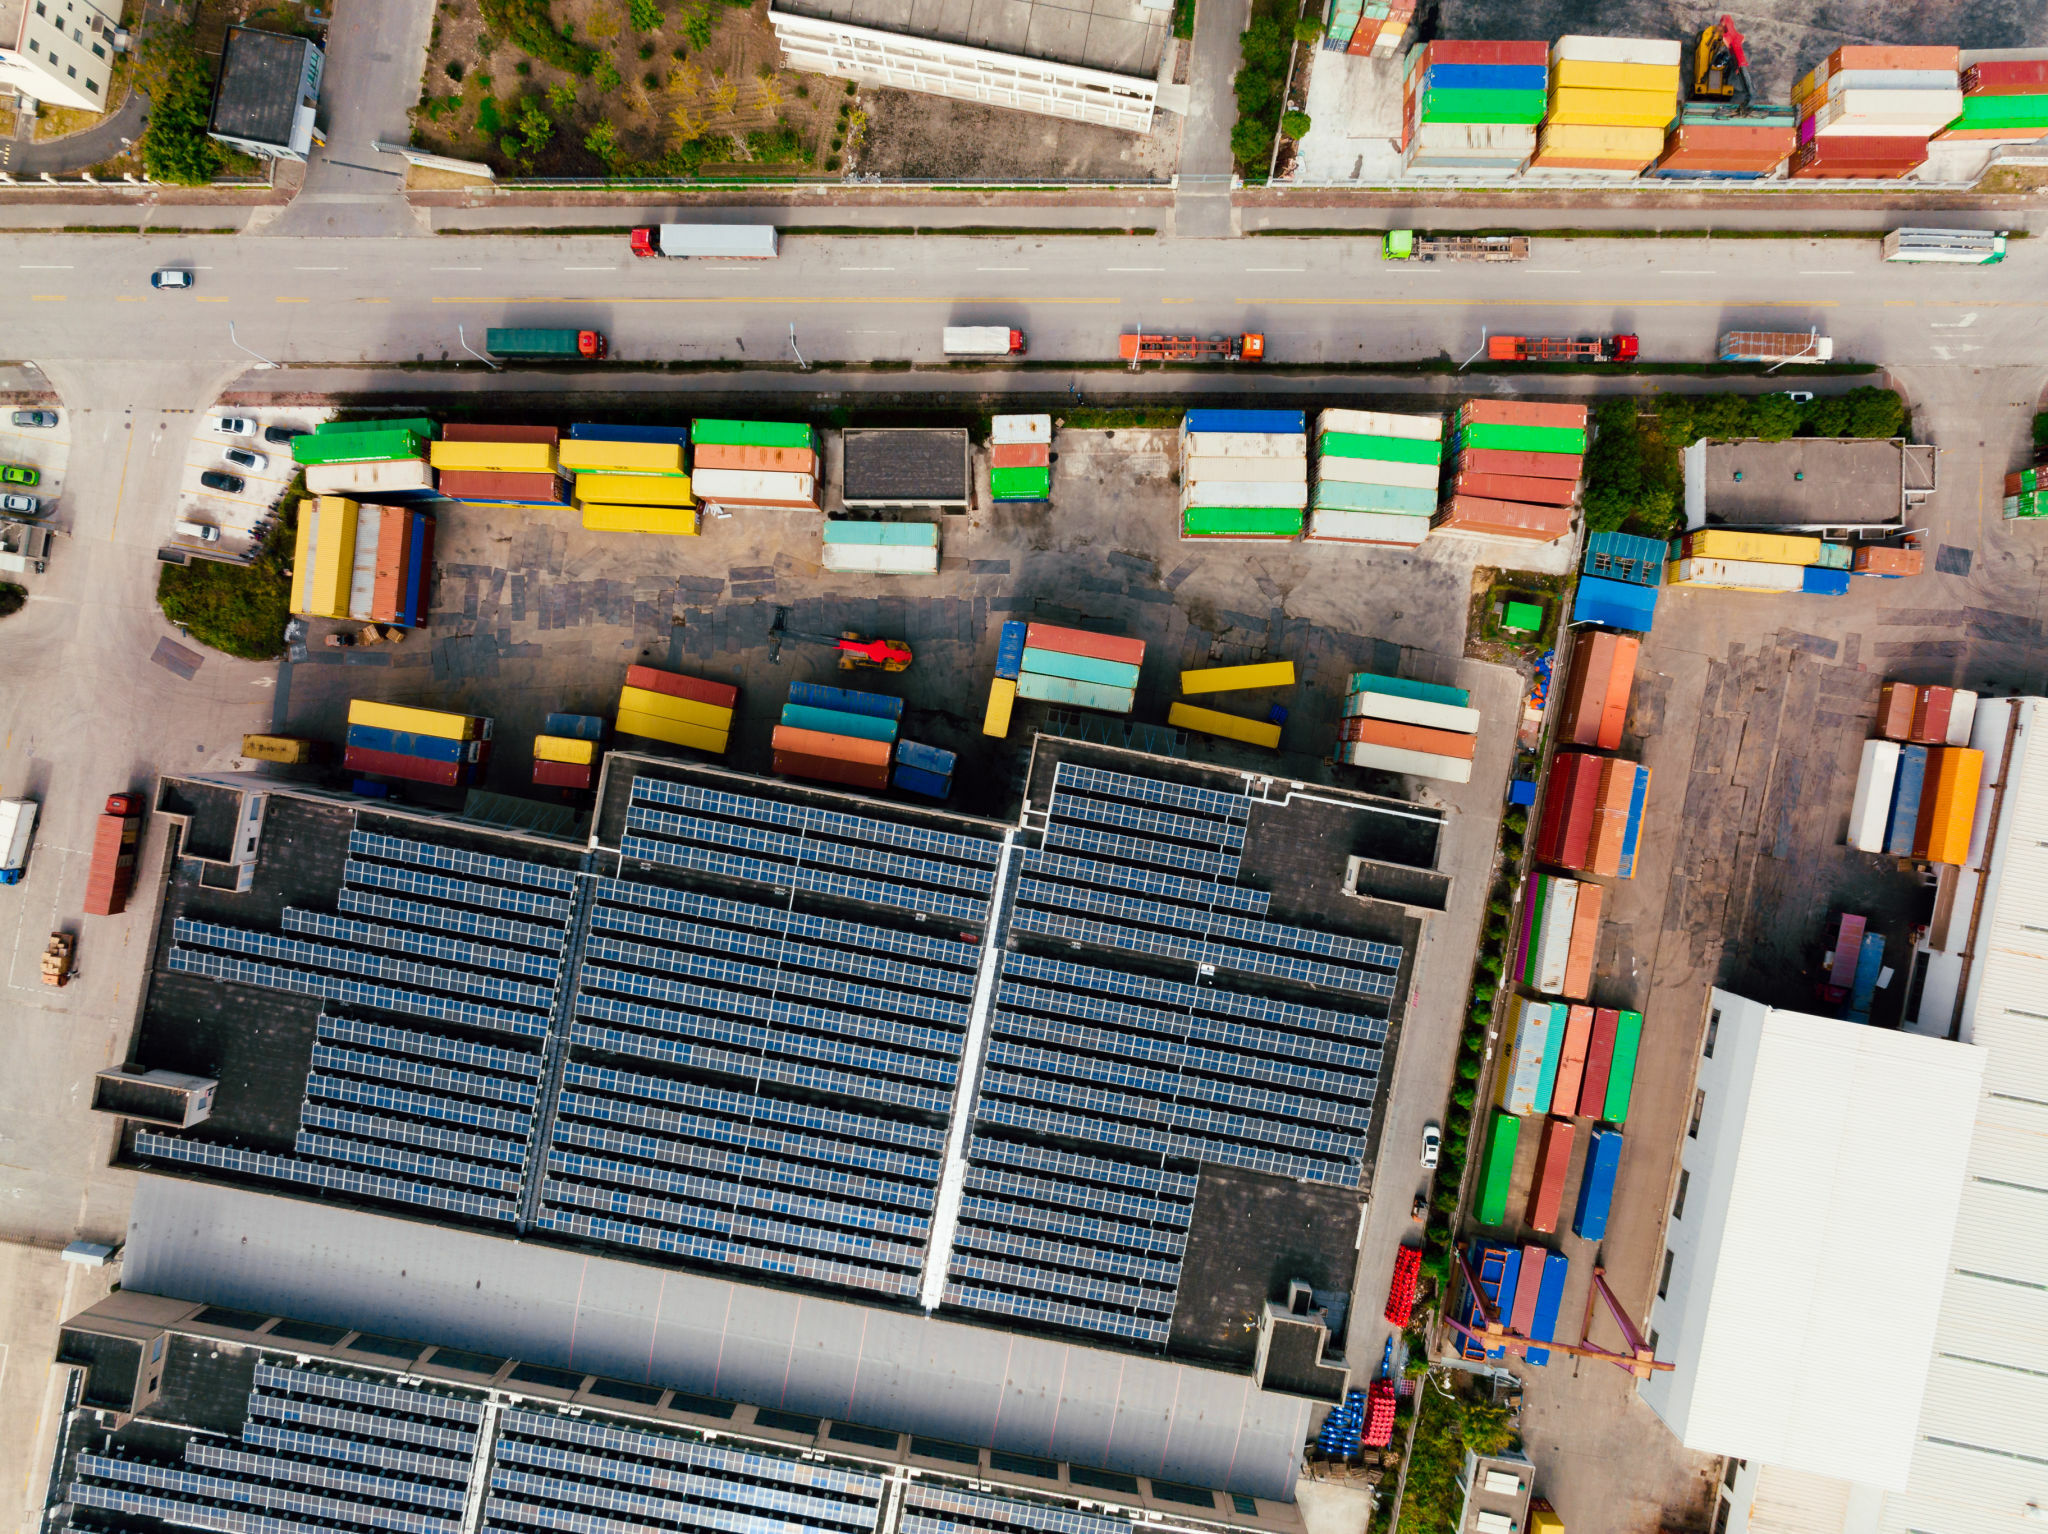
1561,349
1407,245
1776,346
116,841
715,242
1140,347
547,345
981,341
17,835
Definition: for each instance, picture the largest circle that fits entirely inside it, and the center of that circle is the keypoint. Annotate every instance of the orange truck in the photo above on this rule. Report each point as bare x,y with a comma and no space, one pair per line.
116,840
1561,349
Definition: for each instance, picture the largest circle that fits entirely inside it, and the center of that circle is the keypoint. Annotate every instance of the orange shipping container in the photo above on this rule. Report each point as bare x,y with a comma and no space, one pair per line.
1553,1161
1578,1035
1578,964
1410,737
1617,785
1603,857
760,460
1507,519
1491,460
388,588
1621,681
1873,560
1063,641
1857,56
1895,705
1597,690
1516,487
1948,804
835,748
1490,412
1019,455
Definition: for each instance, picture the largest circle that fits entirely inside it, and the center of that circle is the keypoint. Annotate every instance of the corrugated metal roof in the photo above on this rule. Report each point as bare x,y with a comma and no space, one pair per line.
630,1321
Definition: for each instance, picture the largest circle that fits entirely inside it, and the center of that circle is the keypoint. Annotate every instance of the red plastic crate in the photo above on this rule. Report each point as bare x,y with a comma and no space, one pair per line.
1380,1403
1401,1296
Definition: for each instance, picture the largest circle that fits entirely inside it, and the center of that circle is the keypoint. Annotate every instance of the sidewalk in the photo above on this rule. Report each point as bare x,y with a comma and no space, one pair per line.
1203,209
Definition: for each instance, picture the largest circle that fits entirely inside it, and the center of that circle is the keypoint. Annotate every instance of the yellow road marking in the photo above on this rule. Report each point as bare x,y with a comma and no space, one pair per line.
130,298
373,300
209,300
48,298
1898,303
757,298
295,300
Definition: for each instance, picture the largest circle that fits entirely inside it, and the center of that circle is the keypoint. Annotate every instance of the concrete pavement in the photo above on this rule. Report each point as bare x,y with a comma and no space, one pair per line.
1202,208
79,151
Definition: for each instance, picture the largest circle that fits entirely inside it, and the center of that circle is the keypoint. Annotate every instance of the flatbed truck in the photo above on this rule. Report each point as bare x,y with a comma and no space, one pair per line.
1561,349
1407,245
1140,346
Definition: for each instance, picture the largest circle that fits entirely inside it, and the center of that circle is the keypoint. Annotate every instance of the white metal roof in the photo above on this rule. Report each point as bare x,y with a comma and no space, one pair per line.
1833,1254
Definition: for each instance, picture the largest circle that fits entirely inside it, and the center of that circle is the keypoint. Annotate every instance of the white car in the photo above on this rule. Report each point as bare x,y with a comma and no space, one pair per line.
233,425
242,458
1799,396
1432,1146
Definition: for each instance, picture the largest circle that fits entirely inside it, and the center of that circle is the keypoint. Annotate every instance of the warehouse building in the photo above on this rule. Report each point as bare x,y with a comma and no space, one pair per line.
267,94
1830,486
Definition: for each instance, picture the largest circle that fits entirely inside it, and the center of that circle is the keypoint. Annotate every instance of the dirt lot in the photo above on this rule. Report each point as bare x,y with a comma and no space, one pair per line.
915,136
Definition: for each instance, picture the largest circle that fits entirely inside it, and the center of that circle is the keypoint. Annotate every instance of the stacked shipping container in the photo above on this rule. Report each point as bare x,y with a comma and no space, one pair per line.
1737,561
1244,473
634,482
1002,692
1709,143
1868,112
1371,26
1594,707
677,710
1917,784
419,745
2005,96
1392,724
1079,669
1514,469
1592,814
2023,497
1558,936
881,548
767,464
370,564
1472,106
116,847
1020,458
1611,98
924,769
1375,477
565,753
837,736
500,466
336,443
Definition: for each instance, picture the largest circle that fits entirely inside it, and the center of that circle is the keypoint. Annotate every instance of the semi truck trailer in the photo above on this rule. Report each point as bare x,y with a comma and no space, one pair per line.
17,835
547,345
726,242
982,341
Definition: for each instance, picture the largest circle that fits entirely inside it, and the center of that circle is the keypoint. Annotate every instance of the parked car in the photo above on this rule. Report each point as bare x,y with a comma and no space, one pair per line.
21,505
281,436
18,474
1432,1146
233,425
35,418
1799,396
242,458
226,484
203,531
170,277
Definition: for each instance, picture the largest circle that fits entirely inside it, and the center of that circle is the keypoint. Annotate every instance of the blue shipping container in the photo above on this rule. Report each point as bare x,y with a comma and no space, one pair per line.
574,727
837,721
931,784
1267,421
1626,557
1488,77
814,695
1869,965
1615,604
428,748
1898,835
1634,828
419,577
1010,650
1402,687
1596,1186
1708,175
914,753
1549,1300
1504,1302
590,431
1818,581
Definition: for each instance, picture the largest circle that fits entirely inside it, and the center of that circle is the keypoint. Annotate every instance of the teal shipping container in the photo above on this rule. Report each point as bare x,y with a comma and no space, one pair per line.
1081,668
1402,687
1041,688
830,721
1341,495
902,535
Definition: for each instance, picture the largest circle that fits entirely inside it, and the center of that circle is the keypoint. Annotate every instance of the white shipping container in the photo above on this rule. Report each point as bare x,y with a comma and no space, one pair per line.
1227,492
17,831
743,487
1735,574
1490,141
1871,808
1420,764
1929,111
1377,423
1376,471
1008,430
1618,50
1245,470
1243,444
1332,526
1418,711
362,577
1962,714
392,477
1554,938
1885,80
881,558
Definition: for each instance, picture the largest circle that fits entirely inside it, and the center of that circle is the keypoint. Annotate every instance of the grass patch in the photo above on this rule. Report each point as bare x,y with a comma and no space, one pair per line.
1261,85
1121,417
1448,1426
238,609
1184,18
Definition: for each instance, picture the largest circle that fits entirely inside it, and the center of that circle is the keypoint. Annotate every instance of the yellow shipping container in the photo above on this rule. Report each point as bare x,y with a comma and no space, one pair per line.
621,457
1253,732
494,457
673,732
334,555
276,748
416,721
1279,673
678,521
1615,109
1949,803
1587,142
633,490
561,748
1543,1518
302,555
1766,548
1002,697
638,700
1590,74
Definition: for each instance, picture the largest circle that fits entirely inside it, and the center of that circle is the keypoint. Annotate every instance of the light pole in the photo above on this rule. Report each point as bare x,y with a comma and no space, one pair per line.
792,346
459,336
1475,356
249,349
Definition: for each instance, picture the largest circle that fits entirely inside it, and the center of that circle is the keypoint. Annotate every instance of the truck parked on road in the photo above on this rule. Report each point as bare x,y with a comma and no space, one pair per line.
17,835
1776,346
1955,247
1562,349
728,242
547,345
982,341
116,841
1407,245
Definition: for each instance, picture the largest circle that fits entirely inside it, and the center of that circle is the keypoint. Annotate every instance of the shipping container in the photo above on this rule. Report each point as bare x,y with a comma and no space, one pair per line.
1080,668
1532,465
1633,827
1775,346
830,769
1948,805
1549,1302
1451,769
1372,471
875,705
1621,1069
723,433
411,769
1515,487
1596,1185
1570,811
1520,1318
699,689
661,521
1019,455
595,431
1930,715
1596,692
327,591
1498,1171
1553,1163
1820,581
584,456
419,570
1599,1057
1897,704
1503,519
1614,604
656,705
1279,673
1380,423
1766,548
1657,51
387,579
1261,422
1208,721
1004,429
1870,810
277,748
1408,687
1397,736
1962,717
389,479
1907,790
507,489
116,848
1390,500
755,460
1387,528
1212,444
1733,575
1571,1054
554,748
362,576
1244,471
917,780
461,431
1588,106
670,731
357,447
1210,493
1557,904
912,753
428,748
829,721
1040,688
546,345
550,774
420,426
1585,944
1520,1068
1010,649
494,457
1337,444
1020,484
1598,75
1070,641
833,745
1399,709
635,490
419,721
1002,698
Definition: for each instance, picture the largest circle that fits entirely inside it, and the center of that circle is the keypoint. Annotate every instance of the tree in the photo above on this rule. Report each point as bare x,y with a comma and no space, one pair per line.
1876,413
1723,417
1829,417
1614,465
1308,32
1774,417
603,141
175,76
2041,429
12,598
536,128
1675,419
1295,125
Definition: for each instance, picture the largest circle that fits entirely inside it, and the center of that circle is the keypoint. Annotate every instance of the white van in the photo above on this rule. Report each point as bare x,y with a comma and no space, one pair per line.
199,530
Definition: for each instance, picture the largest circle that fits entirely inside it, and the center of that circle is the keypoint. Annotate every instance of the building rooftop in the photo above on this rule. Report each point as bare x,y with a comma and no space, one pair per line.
1846,483
904,465
1120,36
257,95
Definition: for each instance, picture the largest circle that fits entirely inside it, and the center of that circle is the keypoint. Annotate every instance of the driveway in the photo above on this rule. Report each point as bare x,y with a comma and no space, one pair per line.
78,151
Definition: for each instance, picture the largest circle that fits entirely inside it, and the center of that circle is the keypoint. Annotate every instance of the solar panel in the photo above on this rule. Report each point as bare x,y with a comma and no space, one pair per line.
1244,1038
1216,1124
1050,1312
782,1014
732,972
1060,1195
341,929
1343,1174
803,849
660,1446
1039,1251
731,1193
775,950
1239,929
438,1078
1348,1110
1202,801
415,1400
317,1174
1018,1512
1073,1126
1069,1164
892,1163
841,886
1150,823
375,1126
352,1483
296,951
1121,1075
356,1451
481,865
1081,929
701,1487
792,1073
831,1182
1072,897
345,1419
968,1268
857,1126
825,929
449,918
408,1163
1146,881
428,1046
177,1511
1002,1214
916,838
425,1105
451,891
360,993
683,1243
1070,1035
1091,842
189,1484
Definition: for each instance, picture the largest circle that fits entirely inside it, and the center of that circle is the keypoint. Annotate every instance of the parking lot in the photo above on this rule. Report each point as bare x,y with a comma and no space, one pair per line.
45,450
236,513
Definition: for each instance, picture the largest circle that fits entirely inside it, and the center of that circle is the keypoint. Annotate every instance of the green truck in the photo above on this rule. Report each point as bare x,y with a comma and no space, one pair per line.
547,345
1407,245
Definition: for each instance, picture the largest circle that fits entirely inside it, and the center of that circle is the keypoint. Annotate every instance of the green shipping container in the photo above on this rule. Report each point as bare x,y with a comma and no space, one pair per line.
2003,112
1020,484
1523,439
895,535
1040,688
1082,668
418,425
1346,444
1454,106
1499,1170
1536,899
832,721
357,447
1621,1073
752,434
1242,521
1341,495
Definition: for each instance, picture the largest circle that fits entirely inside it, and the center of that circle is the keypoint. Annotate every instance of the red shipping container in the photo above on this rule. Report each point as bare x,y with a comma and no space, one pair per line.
1528,1287
491,485
1580,815
1489,412
1445,52
1490,460
456,431
1019,455
564,774
387,595
1046,636
796,764
414,769
1873,560
1546,1194
1515,487
1897,703
673,684
1410,737
2007,77
116,845
1578,1038
1506,519
1599,1058
1585,689
1559,789
1930,716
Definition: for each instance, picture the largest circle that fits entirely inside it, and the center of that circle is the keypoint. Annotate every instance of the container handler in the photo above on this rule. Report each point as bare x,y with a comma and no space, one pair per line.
854,650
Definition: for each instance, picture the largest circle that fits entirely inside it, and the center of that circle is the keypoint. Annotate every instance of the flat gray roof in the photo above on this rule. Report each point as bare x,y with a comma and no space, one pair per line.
1845,483
833,1358
257,97
1119,36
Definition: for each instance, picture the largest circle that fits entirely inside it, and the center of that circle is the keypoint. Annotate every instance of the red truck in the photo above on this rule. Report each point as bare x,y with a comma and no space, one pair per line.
115,842
1561,349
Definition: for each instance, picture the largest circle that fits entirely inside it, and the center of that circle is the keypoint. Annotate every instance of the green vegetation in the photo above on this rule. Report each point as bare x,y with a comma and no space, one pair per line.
531,24
1261,87
645,15
1632,475
240,610
783,146
1184,18
2041,429
179,82
12,598
1121,417
1295,125
1448,1426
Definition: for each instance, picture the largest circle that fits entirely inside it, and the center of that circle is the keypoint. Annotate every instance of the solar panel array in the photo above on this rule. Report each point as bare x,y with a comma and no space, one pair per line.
1132,1075
932,1507
317,1449
424,1081
591,1475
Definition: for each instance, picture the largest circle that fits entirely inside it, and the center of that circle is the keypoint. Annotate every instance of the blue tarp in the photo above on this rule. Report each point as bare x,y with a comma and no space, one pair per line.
1614,604
1815,580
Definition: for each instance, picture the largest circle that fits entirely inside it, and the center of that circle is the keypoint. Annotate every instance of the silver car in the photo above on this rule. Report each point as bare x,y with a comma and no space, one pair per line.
242,458
21,505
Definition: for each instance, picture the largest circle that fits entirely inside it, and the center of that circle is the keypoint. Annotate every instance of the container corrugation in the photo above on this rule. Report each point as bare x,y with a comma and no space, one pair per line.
512,489
1387,528
1071,641
1565,466
1874,79
826,721
1522,1052
333,558
1242,521
1632,830
387,588
1019,455
1020,428
634,490
1908,788
878,559
1599,1058
1407,737
1581,106
1344,444
1872,111
304,537
671,521
1570,810
1768,548
1374,471
1219,444
915,753
1833,556
277,748
1491,143
661,705
1596,690
1420,764
1535,897
1578,1038
1983,113
876,705
1897,704
1553,1161
1621,1069
1626,557
1595,142
1209,721
547,774
1491,412
1427,713
494,457
1596,1190
407,477
1040,688
1010,649
675,685
1002,698
1258,422
1490,51
737,487
1487,77
1585,941
1232,495
1658,51
755,460
429,748
556,748
1593,74
1962,717
362,563
1407,687
596,431
1521,1316
1277,673
1870,809
1553,943
411,769
588,727
1942,830
1212,470
827,769
1520,439
854,749
2006,77
1507,519
1519,107
719,433
1732,575
1497,1174
1515,487
621,457
420,426
1380,423
1398,500
462,431
918,780
419,571
357,447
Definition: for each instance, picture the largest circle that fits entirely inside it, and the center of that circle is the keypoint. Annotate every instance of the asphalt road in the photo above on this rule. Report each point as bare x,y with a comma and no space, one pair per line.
1317,300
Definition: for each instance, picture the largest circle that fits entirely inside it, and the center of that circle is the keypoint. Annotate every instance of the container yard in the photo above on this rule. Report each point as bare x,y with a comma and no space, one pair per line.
1375,477
1244,473
1514,470
1610,101
1393,724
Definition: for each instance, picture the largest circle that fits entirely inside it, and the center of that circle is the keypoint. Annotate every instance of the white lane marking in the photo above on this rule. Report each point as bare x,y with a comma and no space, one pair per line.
27,268
1276,268
590,268
1831,271
1962,324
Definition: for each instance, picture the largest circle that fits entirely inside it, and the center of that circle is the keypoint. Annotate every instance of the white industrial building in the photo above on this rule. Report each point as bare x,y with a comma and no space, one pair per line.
1805,1261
